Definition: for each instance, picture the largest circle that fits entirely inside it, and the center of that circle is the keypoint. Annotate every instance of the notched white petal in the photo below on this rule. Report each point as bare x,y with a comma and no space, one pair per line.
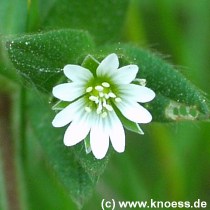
68,114
125,75
117,134
134,112
77,73
136,92
77,131
68,91
99,140
108,65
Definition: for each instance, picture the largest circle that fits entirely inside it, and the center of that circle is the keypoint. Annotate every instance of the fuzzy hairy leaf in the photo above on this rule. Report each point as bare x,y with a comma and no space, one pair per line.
40,58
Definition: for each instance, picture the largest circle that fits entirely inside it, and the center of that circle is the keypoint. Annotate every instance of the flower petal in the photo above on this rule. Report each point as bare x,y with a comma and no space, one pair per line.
68,91
134,112
136,92
77,130
125,75
77,73
108,65
99,139
117,134
68,114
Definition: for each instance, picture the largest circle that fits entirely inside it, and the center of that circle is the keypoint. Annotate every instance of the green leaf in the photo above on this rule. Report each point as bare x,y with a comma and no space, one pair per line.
77,171
40,58
176,97
103,19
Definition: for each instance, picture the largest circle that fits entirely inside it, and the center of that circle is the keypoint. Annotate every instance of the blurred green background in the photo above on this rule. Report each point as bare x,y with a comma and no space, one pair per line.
171,162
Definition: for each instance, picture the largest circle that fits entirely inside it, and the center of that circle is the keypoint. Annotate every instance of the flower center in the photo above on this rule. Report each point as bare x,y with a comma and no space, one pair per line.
99,99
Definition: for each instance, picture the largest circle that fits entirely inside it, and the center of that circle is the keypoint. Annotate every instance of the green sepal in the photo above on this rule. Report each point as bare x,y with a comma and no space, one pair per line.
131,126
60,105
90,63
87,144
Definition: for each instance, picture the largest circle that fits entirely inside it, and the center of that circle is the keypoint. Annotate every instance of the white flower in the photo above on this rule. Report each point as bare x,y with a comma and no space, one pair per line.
95,99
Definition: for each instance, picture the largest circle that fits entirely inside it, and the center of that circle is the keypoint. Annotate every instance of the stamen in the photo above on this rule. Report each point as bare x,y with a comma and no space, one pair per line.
118,100
89,89
93,98
97,101
101,97
99,109
141,82
104,102
104,114
111,95
106,96
105,84
88,109
108,107
99,88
